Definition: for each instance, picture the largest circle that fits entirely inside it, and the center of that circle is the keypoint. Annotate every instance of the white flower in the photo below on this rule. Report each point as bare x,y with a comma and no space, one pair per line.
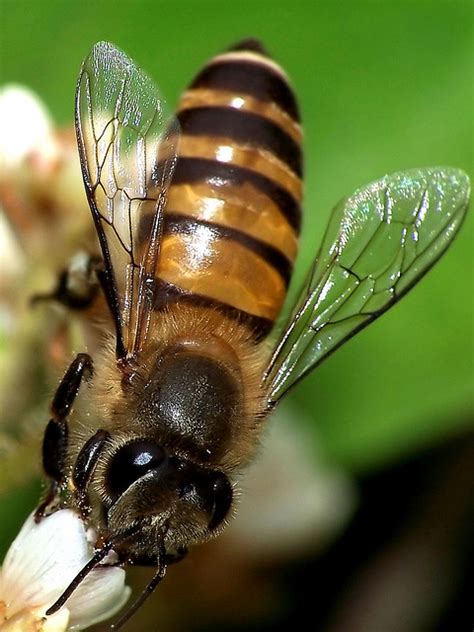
25,127
40,564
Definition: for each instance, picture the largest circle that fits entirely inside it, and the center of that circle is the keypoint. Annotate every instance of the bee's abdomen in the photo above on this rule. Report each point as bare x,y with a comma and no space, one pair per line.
233,213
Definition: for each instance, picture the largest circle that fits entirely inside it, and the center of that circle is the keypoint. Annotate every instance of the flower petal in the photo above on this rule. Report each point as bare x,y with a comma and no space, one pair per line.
43,559
100,596
25,126
41,563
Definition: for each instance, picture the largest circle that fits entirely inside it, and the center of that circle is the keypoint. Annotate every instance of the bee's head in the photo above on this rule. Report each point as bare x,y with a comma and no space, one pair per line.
163,495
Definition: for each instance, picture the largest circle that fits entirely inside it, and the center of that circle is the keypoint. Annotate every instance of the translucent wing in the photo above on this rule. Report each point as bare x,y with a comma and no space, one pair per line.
127,145
379,243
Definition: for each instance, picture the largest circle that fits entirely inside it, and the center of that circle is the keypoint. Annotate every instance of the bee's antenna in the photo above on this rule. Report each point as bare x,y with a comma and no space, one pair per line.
91,564
159,575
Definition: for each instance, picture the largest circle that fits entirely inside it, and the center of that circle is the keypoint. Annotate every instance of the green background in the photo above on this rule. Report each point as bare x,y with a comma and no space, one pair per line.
383,86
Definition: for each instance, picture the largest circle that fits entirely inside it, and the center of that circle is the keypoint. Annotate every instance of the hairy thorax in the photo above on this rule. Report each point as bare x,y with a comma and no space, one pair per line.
196,392
194,401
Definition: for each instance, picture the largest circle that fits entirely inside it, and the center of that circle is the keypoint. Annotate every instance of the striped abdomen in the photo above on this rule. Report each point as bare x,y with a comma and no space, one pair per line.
232,217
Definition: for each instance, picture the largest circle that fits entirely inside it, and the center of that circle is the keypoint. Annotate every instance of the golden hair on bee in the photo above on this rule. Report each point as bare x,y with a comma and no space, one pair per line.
195,331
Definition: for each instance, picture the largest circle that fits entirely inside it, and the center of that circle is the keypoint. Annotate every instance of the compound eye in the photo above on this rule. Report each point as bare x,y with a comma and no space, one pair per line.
131,462
221,494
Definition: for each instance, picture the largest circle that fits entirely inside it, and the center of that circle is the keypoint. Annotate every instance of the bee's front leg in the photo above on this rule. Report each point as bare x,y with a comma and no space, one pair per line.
55,441
85,465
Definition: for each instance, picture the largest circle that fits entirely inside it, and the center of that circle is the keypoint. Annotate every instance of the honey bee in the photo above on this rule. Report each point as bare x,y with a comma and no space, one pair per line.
198,217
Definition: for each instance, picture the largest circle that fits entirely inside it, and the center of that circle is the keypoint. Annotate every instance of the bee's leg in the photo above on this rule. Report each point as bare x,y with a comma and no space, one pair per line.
55,441
77,285
85,465
161,564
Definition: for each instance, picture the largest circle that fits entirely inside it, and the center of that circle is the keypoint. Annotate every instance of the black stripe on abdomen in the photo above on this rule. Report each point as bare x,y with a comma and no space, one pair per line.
243,127
174,223
249,77
167,293
220,174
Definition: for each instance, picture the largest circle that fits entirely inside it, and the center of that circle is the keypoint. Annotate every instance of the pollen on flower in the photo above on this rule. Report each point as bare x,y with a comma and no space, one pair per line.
40,564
